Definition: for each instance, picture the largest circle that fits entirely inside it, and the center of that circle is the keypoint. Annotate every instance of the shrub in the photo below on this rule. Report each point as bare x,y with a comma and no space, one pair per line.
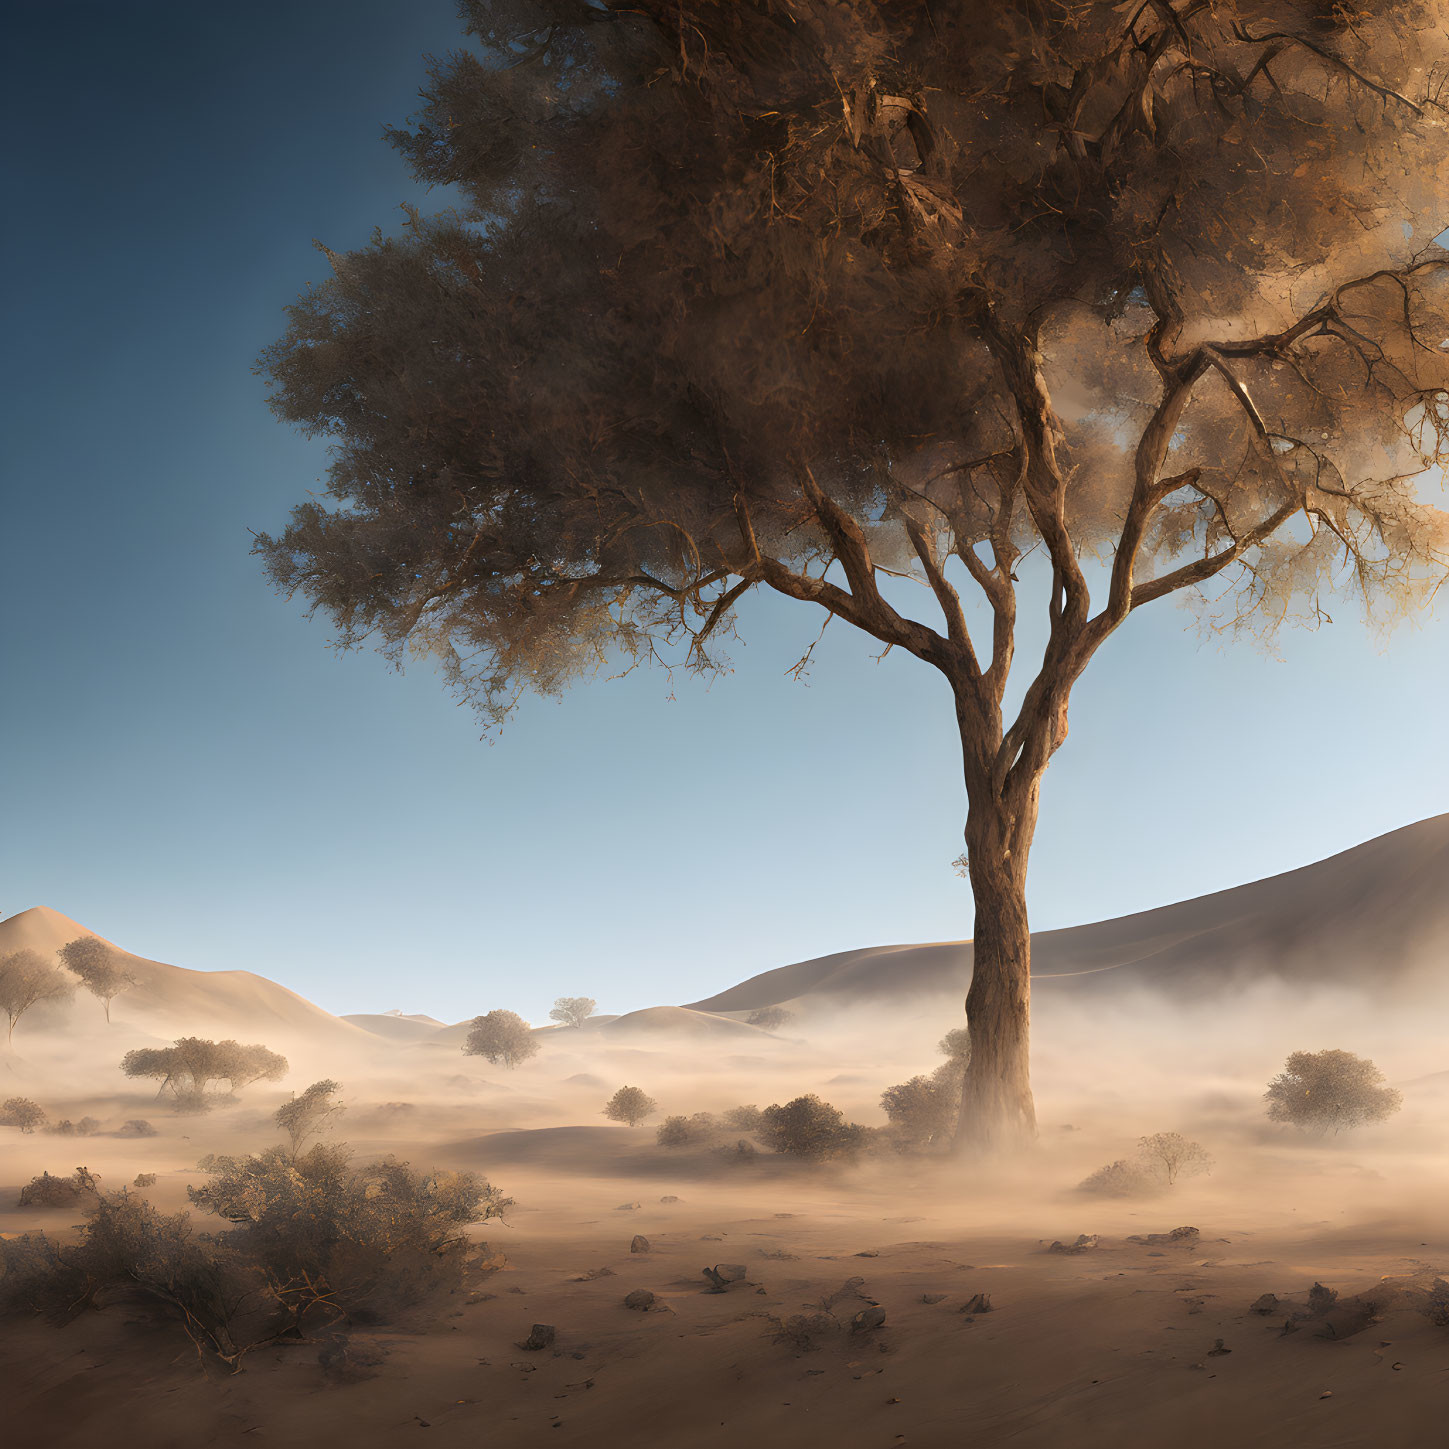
21,1112
771,1018
956,1044
743,1119
53,1192
1171,1155
808,1127
573,1010
144,1179
136,1127
305,1116
673,1132
631,1105
1330,1091
923,1111
501,1037
1122,1178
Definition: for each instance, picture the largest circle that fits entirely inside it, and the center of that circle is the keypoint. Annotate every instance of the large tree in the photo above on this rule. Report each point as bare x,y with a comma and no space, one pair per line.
1067,306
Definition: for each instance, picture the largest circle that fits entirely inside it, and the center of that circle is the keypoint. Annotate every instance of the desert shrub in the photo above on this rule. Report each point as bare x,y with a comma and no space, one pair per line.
1170,1155
135,1127
743,1119
144,1179
501,1037
631,1105
64,1128
1330,1091
308,1114
673,1132
771,1018
808,1127
923,1111
1123,1178
21,1112
52,1192
191,1064
573,1010
338,1241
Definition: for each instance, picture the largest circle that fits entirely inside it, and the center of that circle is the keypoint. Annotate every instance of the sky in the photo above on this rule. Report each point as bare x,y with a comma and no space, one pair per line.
188,769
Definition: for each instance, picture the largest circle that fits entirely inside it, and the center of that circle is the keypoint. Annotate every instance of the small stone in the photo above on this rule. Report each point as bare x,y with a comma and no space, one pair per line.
639,1243
932,1297
1266,1303
979,1303
641,1299
1326,1394
627,1207
541,1336
1217,1350
722,1274
669,1197
868,1253
868,1319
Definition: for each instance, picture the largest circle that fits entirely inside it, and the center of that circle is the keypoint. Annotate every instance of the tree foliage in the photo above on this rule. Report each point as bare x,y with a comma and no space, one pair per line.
501,1037
630,1105
21,1112
1330,1091
26,980
770,1018
309,1113
807,1127
98,967
573,1010
1172,1156
192,1064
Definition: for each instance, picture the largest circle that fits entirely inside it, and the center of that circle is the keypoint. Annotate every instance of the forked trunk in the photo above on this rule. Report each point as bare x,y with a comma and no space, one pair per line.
997,1111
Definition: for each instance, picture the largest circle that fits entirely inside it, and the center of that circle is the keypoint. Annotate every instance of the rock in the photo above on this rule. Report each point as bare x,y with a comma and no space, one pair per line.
979,1303
594,1273
1266,1303
849,1289
868,1319
868,1253
627,1207
669,1197
541,1336
1217,1350
1321,1299
639,1243
1183,1237
641,1299
723,1274
1084,1244
932,1297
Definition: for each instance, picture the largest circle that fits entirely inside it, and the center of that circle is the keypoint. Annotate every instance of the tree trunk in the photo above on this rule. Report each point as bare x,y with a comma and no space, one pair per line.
997,1111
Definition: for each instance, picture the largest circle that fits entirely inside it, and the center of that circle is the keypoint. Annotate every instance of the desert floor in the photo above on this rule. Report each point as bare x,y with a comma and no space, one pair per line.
1115,1345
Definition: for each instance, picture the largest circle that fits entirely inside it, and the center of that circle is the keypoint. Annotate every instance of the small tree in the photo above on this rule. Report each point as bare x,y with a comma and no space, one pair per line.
306,1115
808,1127
631,1105
1329,1091
924,1110
674,1132
239,1066
1171,1155
573,1010
191,1064
98,967
501,1037
26,980
771,1018
21,1112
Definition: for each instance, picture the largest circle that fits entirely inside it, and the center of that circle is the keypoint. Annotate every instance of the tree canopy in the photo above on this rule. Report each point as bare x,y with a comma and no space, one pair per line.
98,967
26,980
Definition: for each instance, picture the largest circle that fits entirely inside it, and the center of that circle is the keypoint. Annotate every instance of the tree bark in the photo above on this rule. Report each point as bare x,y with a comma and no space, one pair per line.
997,1111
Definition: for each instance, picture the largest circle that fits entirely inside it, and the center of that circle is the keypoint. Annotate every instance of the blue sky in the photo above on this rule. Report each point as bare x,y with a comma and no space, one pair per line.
188,770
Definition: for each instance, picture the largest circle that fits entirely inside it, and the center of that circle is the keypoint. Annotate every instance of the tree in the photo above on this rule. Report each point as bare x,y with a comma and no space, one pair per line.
1172,1155
573,1010
306,1115
21,1112
191,1064
98,967
808,1127
1064,309
502,1037
26,980
1330,1091
631,1105
770,1018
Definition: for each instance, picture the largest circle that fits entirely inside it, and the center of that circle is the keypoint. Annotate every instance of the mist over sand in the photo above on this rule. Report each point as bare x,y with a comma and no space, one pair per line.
1120,1343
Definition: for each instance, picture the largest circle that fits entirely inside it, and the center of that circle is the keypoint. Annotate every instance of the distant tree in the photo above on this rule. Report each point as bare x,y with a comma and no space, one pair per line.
144,1179
956,1044
21,1112
1330,1091
1078,307
309,1113
26,980
1173,1156
99,968
771,1018
191,1064
136,1127
808,1127
631,1105
743,1119
501,1037
573,1010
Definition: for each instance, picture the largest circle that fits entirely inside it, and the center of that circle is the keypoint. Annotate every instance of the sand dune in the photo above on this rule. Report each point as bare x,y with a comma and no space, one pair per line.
1375,916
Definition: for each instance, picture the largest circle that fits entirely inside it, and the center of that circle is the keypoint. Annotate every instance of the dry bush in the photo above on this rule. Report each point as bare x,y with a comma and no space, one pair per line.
21,1112
1330,1091
631,1105
743,1119
53,1192
144,1179
501,1037
770,1018
308,1114
1123,1178
136,1127
1171,1155
680,1131
807,1127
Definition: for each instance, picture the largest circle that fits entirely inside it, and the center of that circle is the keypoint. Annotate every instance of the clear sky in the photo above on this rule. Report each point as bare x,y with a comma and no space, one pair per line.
188,770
